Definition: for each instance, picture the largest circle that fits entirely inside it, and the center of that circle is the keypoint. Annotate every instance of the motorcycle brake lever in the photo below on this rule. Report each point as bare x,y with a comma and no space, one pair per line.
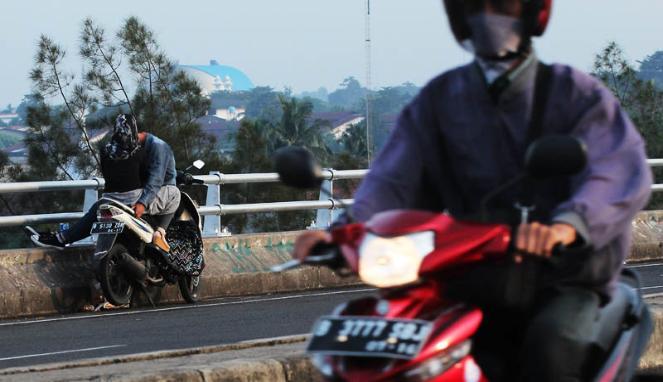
285,266
317,259
312,260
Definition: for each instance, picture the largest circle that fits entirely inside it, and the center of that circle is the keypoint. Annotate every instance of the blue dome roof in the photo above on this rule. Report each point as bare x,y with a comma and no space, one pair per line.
240,81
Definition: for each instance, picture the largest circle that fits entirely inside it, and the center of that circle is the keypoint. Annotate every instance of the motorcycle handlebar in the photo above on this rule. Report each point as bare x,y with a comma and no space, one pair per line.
560,253
186,179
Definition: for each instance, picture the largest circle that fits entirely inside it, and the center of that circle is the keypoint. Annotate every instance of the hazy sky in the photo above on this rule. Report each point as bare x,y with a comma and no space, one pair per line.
306,44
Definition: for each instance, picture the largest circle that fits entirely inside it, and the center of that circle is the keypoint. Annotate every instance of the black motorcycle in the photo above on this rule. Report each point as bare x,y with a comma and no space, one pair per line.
126,261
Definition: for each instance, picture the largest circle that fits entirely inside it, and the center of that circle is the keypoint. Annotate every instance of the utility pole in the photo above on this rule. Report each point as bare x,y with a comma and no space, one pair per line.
368,80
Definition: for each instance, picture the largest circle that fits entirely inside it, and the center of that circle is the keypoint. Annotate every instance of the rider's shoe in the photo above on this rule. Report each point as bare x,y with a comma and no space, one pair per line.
102,306
45,239
159,239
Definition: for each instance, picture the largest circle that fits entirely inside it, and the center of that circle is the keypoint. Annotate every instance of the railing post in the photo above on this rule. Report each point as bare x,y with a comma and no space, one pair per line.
91,197
212,224
324,218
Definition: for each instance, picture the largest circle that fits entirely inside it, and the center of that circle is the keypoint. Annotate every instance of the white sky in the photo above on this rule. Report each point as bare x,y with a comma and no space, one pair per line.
306,44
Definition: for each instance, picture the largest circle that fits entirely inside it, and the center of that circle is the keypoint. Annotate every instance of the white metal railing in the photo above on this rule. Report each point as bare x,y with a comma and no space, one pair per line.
655,162
213,209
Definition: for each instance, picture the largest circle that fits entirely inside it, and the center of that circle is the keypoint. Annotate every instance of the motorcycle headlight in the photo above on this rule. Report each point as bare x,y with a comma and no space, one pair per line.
394,261
442,362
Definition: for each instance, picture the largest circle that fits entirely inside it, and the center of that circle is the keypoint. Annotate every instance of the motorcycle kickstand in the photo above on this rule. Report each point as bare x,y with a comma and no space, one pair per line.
149,298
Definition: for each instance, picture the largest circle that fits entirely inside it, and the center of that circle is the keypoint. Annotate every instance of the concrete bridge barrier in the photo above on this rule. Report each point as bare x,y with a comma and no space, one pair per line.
41,282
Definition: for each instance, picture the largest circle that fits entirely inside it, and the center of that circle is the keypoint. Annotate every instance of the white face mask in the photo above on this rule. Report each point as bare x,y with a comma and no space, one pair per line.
494,36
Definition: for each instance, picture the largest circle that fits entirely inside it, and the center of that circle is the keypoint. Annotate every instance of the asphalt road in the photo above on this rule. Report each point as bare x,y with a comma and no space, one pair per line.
66,338
651,278
74,337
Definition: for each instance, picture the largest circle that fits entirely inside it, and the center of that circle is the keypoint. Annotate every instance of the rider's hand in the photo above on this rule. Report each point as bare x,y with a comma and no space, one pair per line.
139,210
309,239
539,239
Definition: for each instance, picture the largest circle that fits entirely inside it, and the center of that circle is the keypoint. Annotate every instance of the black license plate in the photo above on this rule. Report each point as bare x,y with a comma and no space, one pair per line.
103,228
368,337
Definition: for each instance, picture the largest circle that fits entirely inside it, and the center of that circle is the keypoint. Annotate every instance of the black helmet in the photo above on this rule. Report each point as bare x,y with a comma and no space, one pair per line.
124,141
535,16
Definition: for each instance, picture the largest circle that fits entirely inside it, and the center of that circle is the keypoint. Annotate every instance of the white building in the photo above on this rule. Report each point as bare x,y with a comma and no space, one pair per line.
215,77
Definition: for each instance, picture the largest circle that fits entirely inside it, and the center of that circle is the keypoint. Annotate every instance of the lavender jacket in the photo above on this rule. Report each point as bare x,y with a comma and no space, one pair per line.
454,143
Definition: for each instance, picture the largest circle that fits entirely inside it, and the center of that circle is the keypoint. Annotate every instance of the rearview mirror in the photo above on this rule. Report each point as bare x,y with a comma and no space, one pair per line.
198,164
556,155
297,167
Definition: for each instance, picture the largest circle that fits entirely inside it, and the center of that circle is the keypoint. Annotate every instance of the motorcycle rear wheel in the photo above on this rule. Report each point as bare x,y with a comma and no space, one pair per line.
116,284
189,287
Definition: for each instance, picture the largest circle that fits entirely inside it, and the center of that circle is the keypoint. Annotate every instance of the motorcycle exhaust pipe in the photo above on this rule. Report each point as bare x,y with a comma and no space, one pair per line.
134,268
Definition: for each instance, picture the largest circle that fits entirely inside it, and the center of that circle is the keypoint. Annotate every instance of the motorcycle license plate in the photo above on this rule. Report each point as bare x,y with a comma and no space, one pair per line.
103,228
368,337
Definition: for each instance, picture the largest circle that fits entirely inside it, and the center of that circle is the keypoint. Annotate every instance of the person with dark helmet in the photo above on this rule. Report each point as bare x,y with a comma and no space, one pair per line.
139,171
466,134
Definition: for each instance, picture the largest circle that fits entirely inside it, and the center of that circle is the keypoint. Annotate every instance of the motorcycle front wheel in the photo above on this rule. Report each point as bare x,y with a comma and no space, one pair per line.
115,283
189,287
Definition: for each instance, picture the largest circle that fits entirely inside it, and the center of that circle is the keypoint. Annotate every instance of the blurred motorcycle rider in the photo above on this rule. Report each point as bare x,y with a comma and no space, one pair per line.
466,133
139,170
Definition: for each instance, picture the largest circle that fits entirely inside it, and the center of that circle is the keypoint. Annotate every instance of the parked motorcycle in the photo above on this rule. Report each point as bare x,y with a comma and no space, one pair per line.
412,331
126,260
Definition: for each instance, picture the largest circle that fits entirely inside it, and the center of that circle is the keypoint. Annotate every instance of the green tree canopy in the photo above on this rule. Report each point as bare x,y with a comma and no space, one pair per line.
641,99
64,108
651,69
165,101
349,95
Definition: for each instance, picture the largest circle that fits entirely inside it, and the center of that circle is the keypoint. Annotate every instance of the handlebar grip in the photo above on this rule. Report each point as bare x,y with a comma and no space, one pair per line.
322,249
559,249
181,177
325,254
186,179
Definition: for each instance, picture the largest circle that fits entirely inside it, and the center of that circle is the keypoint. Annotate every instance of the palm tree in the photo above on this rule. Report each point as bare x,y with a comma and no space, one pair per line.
296,128
354,144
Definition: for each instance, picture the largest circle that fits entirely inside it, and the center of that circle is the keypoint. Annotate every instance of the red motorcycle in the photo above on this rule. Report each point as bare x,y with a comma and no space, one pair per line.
412,331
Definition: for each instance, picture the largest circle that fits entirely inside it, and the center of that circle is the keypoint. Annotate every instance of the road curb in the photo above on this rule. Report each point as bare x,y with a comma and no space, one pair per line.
151,356
293,369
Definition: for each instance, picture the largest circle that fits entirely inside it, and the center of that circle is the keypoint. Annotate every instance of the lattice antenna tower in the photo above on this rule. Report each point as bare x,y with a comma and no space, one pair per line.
368,79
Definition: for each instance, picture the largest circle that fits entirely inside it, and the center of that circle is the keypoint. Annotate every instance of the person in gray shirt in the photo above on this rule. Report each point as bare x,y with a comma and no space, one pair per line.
160,197
466,134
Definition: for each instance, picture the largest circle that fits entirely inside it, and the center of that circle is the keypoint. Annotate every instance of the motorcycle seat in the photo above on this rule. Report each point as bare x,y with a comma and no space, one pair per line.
116,203
613,317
